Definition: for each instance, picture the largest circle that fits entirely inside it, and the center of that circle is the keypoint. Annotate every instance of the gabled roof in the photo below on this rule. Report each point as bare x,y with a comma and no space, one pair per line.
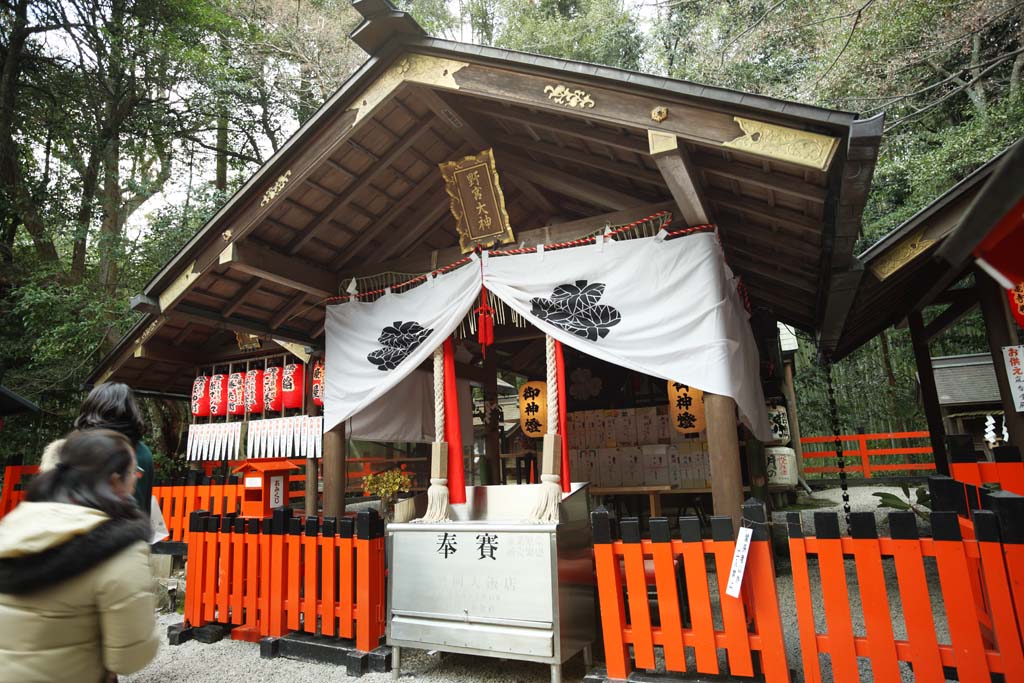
12,403
965,380
356,191
915,262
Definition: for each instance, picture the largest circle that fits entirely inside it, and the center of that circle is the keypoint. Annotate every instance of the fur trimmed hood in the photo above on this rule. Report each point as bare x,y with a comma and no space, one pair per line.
42,544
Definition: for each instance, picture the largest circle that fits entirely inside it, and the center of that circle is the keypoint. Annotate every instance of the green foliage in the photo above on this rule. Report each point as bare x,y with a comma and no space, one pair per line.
920,507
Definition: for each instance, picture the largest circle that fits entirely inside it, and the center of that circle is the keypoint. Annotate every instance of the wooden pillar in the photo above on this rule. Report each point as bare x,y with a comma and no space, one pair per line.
1000,332
312,470
334,472
724,447
493,437
789,388
929,395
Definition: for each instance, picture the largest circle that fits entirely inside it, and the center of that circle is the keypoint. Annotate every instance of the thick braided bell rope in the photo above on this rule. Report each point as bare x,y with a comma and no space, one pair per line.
439,394
550,495
437,494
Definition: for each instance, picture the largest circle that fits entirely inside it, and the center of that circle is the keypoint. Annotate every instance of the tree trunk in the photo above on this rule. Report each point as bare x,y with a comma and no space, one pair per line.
90,181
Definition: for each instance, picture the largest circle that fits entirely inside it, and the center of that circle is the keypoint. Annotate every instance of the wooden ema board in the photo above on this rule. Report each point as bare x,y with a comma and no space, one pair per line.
628,566
264,577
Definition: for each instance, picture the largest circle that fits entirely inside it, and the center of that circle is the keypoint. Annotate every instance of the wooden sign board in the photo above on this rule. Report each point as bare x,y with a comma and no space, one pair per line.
477,201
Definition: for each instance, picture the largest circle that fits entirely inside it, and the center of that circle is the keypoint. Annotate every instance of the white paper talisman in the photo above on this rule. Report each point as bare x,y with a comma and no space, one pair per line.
739,562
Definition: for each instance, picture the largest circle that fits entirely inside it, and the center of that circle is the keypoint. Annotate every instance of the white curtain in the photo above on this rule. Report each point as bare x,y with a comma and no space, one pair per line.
372,346
406,413
666,308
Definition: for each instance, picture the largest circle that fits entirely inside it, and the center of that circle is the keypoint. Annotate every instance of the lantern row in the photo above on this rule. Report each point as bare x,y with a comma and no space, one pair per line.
255,391
283,437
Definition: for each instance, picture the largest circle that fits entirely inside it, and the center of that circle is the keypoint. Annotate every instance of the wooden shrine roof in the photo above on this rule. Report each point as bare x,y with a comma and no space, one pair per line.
357,191
904,270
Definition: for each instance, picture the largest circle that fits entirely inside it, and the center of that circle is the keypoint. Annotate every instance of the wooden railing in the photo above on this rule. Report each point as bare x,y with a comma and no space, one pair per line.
859,458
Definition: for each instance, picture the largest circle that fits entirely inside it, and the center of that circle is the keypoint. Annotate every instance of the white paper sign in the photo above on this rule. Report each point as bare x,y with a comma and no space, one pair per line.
253,482
276,492
1013,356
739,562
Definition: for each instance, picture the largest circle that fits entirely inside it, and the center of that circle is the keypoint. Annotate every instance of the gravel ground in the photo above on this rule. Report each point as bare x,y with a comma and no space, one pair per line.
196,663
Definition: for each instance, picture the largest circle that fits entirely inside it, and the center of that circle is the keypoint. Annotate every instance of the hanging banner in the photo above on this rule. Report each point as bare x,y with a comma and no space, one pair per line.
372,346
666,308
1016,296
477,201
533,409
686,408
1013,356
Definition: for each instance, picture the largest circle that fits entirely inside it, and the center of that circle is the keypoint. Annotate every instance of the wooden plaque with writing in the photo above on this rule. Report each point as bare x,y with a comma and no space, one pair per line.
477,201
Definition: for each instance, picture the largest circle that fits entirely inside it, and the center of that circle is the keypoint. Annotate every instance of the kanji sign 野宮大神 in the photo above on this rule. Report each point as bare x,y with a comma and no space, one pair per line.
477,201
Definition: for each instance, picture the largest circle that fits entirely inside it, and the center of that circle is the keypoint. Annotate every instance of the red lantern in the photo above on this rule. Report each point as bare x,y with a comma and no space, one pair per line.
318,383
201,396
272,389
236,393
1017,303
254,391
293,383
218,395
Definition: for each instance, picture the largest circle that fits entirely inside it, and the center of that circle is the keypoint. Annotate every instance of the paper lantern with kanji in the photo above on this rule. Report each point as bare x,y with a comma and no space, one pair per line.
533,409
201,396
272,388
1017,303
318,383
236,393
254,391
293,383
686,408
218,395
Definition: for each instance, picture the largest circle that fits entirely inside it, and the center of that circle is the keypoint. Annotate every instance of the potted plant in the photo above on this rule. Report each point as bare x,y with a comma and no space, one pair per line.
386,486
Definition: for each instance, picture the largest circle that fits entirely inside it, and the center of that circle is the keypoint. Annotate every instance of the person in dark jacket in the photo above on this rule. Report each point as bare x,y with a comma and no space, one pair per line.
76,600
111,406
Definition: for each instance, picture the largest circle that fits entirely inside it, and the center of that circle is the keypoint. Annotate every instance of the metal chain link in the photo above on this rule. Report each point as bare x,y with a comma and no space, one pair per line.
840,458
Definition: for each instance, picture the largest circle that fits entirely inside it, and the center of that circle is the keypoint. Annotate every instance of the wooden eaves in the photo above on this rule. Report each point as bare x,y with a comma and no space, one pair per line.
356,191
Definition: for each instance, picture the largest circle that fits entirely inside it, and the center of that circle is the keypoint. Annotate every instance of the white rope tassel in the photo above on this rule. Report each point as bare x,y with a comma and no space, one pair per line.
550,496
437,494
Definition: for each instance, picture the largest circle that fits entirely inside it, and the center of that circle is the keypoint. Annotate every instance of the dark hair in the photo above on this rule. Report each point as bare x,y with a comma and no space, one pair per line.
110,406
86,461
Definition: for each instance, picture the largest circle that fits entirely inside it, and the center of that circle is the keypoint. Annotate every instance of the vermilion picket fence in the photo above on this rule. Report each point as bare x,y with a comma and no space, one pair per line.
267,577
751,624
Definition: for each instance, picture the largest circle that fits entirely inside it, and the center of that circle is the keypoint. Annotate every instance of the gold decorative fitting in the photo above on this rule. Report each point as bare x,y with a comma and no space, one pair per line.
412,68
276,188
785,144
659,114
226,235
902,254
247,342
659,142
577,99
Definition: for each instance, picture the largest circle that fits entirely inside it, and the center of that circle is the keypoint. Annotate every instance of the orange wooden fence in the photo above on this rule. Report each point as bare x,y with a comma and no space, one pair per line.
858,457
13,491
970,467
272,576
975,649
751,624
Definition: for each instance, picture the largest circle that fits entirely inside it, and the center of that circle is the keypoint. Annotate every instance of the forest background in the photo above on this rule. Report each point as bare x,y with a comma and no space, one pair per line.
125,123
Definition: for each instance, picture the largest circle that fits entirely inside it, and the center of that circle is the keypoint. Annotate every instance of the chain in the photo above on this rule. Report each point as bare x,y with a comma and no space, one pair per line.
840,458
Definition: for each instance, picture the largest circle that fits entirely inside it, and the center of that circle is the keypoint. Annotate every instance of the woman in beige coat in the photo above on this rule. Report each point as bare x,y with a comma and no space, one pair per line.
76,600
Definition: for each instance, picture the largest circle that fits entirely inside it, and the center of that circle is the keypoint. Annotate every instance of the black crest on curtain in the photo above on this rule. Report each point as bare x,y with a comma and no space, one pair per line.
399,339
574,308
